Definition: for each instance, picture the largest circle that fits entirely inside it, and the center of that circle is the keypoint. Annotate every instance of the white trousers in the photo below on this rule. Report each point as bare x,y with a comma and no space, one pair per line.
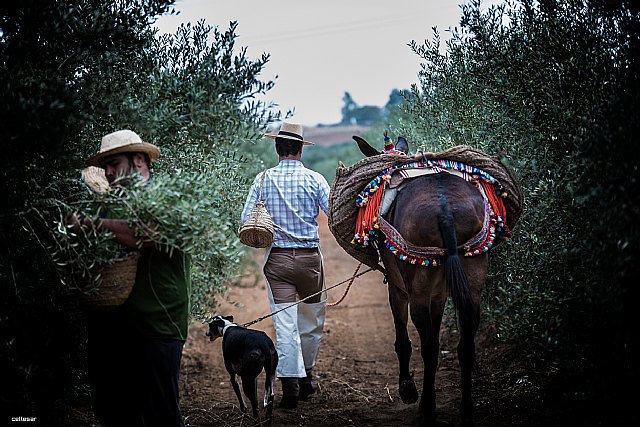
299,329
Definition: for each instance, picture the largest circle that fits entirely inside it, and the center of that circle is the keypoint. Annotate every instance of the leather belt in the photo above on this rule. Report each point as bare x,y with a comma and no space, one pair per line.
295,250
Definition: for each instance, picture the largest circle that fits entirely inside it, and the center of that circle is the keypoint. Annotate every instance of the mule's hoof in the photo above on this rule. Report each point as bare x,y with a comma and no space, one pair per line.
421,420
408,391
467,421
466,415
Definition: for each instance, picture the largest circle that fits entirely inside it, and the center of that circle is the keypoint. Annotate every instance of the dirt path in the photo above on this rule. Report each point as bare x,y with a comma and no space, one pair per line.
357,367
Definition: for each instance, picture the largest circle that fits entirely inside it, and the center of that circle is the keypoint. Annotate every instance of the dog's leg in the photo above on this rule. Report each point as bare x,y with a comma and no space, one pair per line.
250,387
270,367
236,388
269,392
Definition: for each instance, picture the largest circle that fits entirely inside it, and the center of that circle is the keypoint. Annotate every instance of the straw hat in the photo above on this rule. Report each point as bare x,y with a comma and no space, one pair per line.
292,131
123,141
95,179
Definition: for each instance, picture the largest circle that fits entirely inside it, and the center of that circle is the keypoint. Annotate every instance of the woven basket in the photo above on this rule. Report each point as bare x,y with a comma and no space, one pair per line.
114,285
257,230
351,180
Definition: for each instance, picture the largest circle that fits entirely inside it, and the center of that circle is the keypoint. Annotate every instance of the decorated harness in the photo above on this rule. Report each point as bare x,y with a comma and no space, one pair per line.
370,221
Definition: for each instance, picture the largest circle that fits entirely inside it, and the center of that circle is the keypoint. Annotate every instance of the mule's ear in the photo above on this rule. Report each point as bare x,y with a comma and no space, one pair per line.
229,318
364,146
402,145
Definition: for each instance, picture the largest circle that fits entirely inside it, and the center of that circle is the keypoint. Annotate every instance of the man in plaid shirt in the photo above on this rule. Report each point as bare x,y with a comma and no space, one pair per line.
293,268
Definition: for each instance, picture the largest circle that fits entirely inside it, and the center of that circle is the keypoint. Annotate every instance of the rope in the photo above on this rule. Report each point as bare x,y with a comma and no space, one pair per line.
348,287
260,319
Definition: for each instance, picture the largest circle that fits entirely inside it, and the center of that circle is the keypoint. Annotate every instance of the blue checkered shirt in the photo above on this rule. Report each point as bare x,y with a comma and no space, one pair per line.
293,196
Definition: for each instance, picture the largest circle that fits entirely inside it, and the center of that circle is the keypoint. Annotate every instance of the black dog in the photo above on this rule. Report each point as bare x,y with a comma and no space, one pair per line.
246,352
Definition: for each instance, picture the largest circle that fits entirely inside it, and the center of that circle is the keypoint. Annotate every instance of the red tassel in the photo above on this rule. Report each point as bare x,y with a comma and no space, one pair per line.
368,215
497,204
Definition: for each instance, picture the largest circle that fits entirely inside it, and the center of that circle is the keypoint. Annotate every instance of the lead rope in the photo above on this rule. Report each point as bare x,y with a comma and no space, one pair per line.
348,287
350,280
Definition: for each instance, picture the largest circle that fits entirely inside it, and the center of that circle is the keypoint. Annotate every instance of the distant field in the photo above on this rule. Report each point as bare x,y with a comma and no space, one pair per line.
333,144
326,135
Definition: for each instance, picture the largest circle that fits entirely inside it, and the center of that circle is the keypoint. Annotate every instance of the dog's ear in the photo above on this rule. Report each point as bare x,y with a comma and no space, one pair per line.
229,318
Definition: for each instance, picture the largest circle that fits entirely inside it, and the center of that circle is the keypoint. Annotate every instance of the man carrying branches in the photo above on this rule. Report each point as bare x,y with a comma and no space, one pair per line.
135,349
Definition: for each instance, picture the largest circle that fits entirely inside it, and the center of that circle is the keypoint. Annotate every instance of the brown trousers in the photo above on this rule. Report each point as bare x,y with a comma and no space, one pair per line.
292,272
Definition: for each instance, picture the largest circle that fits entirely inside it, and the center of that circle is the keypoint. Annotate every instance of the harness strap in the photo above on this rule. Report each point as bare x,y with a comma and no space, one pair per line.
369,218
432,255
421,251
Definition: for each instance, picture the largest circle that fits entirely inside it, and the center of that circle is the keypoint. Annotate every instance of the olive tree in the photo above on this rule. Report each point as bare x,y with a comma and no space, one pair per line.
71,72
552,88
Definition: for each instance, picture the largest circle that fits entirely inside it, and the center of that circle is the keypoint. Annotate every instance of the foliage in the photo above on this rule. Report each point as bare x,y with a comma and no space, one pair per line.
189,210
365,115
72,72
554,84
324,158
395,98
348,108
394,121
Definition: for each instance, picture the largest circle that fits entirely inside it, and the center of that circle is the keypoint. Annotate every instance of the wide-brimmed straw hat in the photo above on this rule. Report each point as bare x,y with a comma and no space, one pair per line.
292,131
123,141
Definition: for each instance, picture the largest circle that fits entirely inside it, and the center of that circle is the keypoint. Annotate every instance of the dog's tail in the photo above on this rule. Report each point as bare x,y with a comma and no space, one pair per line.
270,359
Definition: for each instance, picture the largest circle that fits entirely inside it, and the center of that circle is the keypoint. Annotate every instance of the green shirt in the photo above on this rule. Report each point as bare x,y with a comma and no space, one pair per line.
159,304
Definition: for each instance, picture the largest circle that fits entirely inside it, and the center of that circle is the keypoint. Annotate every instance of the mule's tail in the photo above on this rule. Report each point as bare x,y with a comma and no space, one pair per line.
456,278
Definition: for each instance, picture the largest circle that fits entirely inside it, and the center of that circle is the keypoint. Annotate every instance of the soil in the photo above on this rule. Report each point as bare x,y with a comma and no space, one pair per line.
357,369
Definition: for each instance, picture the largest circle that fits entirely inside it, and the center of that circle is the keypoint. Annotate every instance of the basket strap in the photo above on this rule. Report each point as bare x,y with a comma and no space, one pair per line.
261,183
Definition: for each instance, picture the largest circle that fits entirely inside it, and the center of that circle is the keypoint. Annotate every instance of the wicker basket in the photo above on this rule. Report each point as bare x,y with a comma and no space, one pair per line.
351,180
257,230
115,284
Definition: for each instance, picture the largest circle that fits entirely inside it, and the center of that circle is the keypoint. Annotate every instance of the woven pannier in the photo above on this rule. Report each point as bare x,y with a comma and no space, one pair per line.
257,230
114,285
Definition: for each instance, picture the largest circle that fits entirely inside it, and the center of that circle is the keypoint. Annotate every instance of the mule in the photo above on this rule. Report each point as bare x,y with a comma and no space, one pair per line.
440,210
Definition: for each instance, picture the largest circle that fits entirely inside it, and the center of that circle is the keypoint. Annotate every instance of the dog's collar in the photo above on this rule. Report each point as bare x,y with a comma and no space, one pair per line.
224,330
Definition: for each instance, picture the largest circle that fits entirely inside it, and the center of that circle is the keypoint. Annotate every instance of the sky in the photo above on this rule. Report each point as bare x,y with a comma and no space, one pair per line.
322,49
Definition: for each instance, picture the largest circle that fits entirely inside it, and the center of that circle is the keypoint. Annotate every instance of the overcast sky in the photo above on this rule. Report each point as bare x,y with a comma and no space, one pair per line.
320,49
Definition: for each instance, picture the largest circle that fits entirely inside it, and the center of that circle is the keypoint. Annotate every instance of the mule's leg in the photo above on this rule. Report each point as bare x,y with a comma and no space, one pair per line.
476,268
398,301
467,358
427,321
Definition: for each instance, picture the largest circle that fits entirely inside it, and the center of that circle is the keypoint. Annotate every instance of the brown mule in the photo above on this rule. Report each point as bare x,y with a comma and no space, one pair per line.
439,210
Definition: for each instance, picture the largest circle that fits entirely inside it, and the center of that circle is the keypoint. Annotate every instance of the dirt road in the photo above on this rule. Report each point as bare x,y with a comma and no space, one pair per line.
357,369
